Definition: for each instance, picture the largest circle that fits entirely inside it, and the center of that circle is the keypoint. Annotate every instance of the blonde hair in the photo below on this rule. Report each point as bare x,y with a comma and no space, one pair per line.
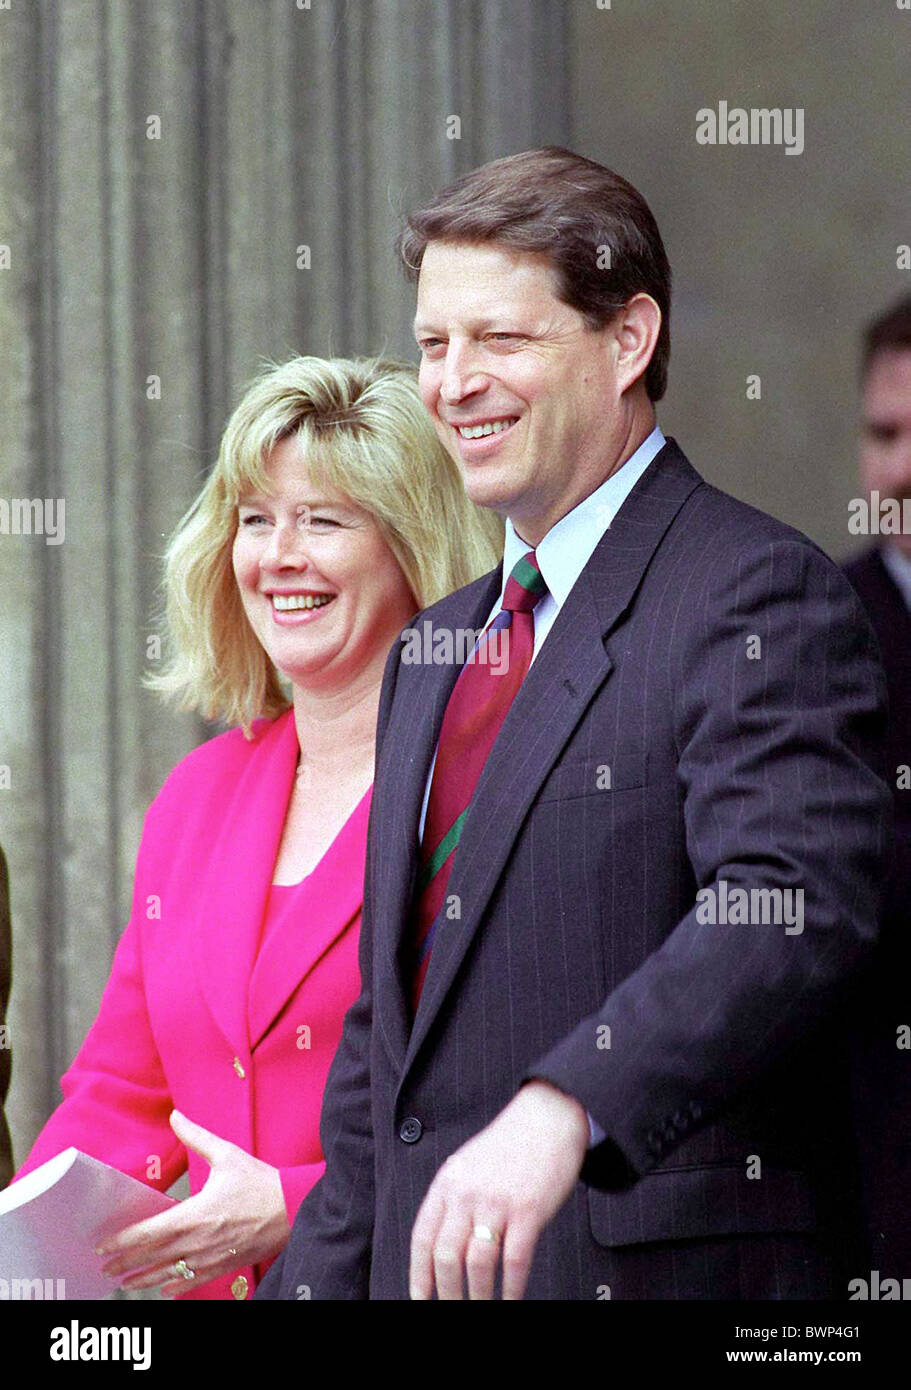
364,433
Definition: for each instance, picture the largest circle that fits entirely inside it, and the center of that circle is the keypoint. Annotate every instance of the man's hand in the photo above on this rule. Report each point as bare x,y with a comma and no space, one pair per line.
241,1208
509,1180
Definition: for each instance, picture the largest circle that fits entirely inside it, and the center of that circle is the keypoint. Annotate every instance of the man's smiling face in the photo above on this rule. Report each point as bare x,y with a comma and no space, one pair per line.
885,455
524,395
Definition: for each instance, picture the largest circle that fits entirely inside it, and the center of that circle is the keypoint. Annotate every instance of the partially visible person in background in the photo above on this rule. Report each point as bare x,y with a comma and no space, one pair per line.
333,514
882,577
6,1148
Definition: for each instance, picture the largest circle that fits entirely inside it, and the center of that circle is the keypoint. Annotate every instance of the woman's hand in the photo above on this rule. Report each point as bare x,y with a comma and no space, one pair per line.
239,1218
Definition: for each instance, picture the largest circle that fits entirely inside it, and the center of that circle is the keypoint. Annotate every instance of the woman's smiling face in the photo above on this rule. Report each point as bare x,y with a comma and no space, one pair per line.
321,588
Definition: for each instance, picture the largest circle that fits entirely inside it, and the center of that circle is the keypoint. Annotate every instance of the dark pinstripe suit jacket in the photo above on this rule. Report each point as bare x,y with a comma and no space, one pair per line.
883,1072
727,760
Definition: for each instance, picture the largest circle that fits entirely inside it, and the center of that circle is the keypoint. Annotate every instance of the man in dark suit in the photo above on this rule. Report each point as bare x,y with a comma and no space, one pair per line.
882,577
6,1148
616,883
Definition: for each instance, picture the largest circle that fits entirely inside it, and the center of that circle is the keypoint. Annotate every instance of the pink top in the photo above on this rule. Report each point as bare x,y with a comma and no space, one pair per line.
292,907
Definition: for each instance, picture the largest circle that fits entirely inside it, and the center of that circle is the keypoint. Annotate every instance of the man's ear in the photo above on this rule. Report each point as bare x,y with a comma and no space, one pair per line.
635,331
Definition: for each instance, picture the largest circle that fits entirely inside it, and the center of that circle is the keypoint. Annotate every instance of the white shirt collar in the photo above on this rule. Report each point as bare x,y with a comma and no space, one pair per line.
569,544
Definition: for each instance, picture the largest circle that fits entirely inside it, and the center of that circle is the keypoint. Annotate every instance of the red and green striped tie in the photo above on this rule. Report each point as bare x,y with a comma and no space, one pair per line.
479,703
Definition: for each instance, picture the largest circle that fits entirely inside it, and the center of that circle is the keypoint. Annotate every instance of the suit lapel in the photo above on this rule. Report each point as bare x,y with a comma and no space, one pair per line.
238,877
401,775
316,914
889,598
570,667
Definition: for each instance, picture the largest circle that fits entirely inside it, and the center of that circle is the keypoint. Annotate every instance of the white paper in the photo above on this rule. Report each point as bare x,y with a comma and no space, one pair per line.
51,1220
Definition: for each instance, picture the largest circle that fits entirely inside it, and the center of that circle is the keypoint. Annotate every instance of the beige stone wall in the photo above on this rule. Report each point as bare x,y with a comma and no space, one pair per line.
778,259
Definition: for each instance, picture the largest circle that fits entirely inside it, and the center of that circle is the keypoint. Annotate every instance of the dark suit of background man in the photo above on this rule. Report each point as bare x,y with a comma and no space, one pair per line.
602,1092
6,1149
882,578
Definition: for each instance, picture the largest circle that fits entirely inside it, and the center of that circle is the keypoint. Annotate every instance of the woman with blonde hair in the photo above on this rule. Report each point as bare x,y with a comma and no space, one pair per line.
332,516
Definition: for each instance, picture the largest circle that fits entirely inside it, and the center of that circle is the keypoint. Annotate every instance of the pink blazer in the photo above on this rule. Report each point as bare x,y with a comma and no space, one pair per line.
194,1015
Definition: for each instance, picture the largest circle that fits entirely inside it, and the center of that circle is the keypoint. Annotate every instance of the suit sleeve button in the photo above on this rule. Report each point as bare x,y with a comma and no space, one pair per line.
240,1288
411,1130
681,1119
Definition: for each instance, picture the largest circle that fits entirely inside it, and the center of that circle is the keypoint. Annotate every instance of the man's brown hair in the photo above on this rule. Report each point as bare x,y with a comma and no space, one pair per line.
596,229
889,332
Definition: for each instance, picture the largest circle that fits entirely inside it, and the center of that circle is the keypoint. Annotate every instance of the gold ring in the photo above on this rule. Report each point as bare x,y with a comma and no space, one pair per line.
184,1270
486,1234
